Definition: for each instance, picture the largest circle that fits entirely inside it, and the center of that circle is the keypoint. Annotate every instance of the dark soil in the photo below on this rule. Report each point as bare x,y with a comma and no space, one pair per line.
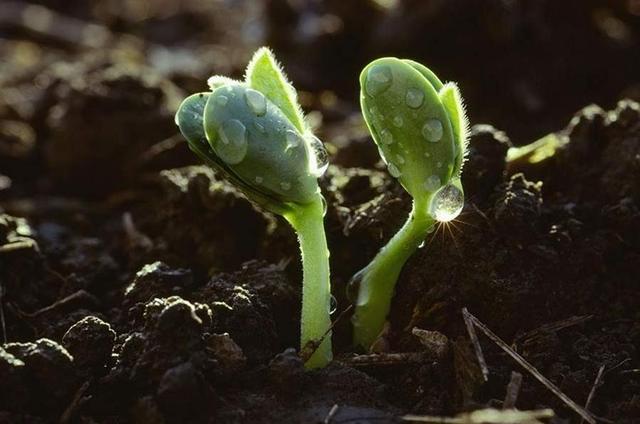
137,286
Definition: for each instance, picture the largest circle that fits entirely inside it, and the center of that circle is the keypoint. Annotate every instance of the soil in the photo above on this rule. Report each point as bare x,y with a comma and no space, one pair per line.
138,286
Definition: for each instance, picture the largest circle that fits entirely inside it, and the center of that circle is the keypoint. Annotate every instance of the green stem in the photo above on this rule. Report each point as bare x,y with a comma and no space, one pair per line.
377,280
307,221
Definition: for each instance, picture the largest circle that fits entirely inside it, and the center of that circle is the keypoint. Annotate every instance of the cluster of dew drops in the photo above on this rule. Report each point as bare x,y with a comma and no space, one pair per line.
448,200
233,135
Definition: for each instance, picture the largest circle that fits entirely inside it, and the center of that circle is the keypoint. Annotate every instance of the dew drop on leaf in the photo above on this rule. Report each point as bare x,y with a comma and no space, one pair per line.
414,98
293,139
378,80
398,121
256,102
222,100
324,205
393,170
432,183
432,130
232,147
285,186
386,137
447,203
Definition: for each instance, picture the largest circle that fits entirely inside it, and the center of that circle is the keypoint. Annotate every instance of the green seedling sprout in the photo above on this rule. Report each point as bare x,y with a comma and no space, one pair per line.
253,132
420,128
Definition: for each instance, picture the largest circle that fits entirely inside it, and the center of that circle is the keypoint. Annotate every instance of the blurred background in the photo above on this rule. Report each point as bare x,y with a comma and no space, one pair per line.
524,66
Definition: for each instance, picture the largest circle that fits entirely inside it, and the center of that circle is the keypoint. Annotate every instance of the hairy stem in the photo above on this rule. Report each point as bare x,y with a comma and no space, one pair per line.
377,280
307,221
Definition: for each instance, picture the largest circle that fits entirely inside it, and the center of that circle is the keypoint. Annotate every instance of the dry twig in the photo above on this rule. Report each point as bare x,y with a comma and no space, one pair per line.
476,345
530,368
513,390
597,383
332,413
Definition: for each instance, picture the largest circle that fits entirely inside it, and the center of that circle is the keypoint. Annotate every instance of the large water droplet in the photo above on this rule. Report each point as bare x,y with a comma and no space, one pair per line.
319,158
447,203
232,147
256,101
433,183
393,170
333,305
432,130
414,98
285,186
398,121
378,80
386,137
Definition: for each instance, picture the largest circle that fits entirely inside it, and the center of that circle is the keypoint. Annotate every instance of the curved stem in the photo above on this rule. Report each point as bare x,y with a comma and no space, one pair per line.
307,221
377,280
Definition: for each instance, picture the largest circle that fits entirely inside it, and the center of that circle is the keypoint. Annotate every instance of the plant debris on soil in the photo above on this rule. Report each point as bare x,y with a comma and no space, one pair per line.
136,285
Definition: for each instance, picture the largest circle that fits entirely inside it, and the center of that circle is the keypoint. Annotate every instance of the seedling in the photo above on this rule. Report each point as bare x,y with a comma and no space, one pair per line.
254,133
420,128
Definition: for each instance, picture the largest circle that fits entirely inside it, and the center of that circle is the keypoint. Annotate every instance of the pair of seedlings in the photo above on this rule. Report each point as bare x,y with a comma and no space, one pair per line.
254,132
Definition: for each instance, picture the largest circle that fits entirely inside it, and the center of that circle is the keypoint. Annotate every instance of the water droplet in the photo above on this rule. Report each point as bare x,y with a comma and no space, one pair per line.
261,129
324,205
378,79
333,305
414,98
427,154
447,203
432,130
256,101
293,139
400,159
319,158
421,245
398,121
431,229
393,170
353,287
222,100
258,180
433,183
386,137
439,164
233,146
285,186
383,156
